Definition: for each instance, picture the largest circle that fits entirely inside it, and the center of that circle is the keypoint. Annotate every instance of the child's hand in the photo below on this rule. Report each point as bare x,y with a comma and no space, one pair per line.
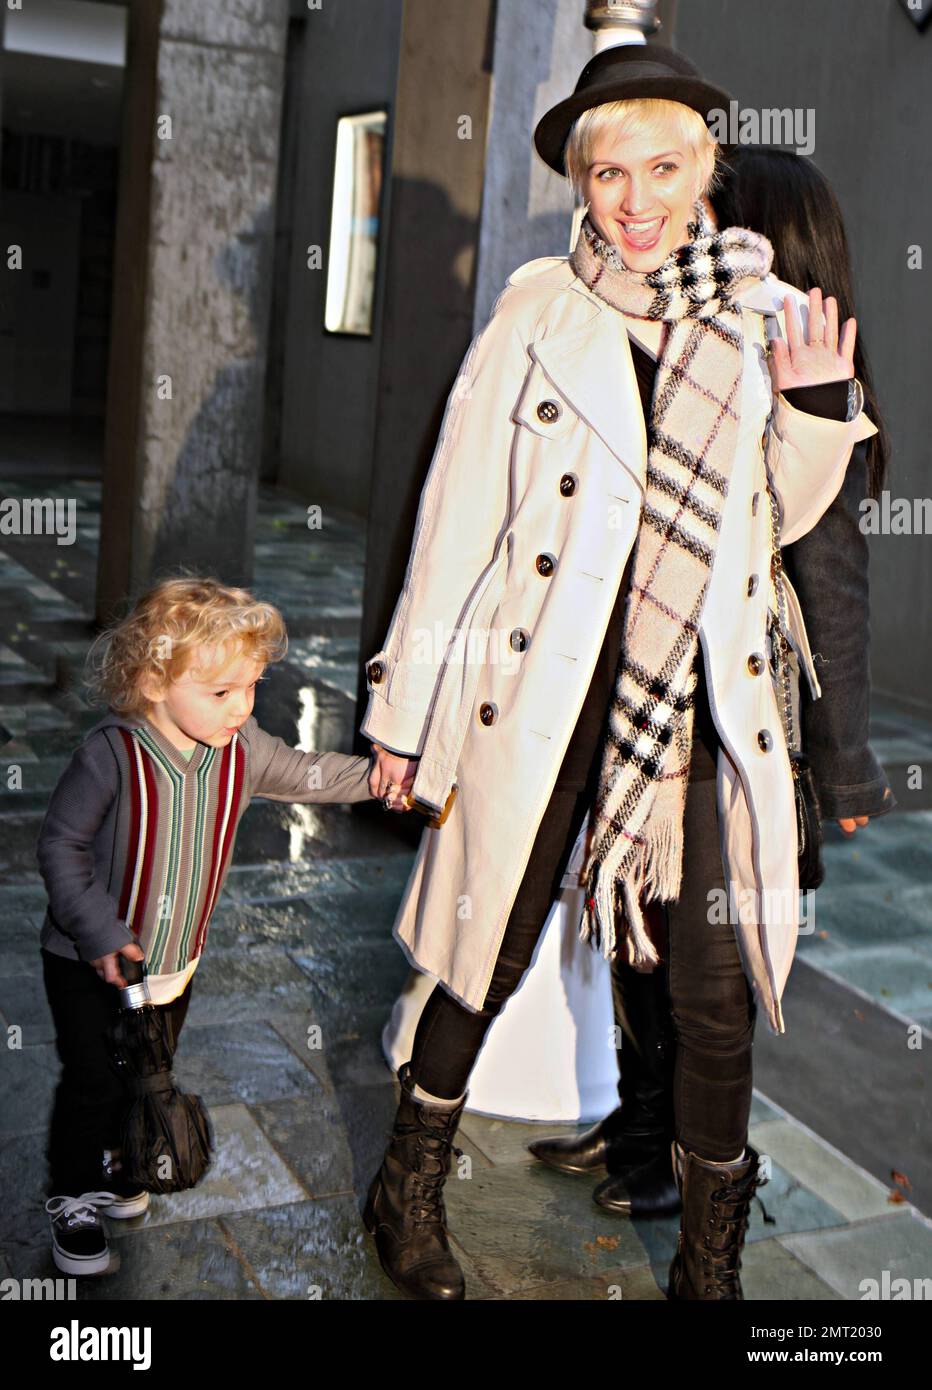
108,967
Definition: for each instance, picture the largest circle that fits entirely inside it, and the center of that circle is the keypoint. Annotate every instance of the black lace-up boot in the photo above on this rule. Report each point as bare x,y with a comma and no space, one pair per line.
404,1209
716,1205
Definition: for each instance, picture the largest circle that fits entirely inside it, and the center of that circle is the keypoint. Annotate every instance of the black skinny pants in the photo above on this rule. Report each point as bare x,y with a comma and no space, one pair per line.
91,1098
712,1006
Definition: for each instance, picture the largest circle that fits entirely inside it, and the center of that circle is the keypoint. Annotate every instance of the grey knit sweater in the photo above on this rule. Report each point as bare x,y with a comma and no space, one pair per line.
137,840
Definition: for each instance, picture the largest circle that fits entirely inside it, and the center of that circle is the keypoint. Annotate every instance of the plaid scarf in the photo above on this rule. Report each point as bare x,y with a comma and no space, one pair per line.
637,817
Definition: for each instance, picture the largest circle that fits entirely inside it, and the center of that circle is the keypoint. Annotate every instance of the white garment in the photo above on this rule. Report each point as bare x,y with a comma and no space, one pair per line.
164,988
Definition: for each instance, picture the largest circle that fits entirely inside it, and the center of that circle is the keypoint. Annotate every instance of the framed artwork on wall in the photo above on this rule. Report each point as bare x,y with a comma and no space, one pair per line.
358,174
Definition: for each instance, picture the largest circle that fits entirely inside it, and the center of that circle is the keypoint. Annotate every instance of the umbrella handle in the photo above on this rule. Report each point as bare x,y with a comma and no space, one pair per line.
132,971
136,993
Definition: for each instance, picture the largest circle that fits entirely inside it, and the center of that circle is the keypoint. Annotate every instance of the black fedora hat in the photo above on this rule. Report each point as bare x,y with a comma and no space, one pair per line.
621,73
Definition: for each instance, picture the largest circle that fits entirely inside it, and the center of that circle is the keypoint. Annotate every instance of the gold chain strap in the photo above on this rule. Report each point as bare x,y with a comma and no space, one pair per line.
779,630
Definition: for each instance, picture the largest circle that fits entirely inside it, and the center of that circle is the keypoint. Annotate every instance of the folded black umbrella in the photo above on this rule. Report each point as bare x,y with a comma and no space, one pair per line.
168,1140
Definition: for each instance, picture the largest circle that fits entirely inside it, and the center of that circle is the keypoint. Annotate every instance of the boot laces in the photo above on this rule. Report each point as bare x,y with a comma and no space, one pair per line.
730,1211
433,1147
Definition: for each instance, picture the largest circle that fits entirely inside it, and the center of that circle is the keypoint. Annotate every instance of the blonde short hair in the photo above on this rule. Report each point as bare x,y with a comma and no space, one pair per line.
159,638
640,116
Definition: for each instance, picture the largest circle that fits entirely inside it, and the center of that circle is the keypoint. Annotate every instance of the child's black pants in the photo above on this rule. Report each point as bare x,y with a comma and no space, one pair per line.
91,1098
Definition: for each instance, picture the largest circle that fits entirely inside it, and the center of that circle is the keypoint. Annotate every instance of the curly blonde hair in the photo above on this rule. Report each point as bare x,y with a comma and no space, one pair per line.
159,639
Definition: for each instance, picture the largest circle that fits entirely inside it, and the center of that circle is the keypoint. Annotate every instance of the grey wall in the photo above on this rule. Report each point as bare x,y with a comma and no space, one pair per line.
348,62
438,163
540,50
867,72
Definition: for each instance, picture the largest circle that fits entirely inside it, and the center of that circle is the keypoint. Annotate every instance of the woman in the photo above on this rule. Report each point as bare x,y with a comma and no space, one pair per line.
785,197
548,505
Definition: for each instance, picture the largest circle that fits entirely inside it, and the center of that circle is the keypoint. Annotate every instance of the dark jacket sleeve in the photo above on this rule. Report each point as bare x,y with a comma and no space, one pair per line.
828,399
79,904
828,568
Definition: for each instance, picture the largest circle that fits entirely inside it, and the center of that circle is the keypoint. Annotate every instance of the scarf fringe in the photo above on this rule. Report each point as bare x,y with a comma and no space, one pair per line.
652,718
654,875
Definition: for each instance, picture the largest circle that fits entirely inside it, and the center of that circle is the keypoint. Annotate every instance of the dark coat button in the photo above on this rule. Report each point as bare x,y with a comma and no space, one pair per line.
752,584
545,565
519,639
376,672
567,485
765,739
754,504
756,663
548,411
487,713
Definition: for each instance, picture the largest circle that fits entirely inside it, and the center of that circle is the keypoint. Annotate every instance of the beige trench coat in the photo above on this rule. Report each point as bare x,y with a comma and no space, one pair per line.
526,520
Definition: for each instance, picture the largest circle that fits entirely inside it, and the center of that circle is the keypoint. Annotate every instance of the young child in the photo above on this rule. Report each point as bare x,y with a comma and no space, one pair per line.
135,848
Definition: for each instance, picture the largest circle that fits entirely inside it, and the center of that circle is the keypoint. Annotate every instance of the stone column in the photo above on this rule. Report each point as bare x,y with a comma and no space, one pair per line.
437,170
192,281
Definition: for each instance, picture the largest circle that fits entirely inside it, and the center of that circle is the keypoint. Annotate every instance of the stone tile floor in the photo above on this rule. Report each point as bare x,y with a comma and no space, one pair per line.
283,1034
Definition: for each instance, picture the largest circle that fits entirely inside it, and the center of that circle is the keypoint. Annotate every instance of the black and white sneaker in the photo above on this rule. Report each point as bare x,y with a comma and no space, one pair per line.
79,1244
128,1201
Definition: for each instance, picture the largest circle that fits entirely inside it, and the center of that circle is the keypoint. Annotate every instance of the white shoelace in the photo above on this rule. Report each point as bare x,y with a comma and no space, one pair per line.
80,1211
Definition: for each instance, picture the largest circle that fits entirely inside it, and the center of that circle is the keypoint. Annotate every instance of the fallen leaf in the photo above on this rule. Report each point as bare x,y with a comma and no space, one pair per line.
601,1243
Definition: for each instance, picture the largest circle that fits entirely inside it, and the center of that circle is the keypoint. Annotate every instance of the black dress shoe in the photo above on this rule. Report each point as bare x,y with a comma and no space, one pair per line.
604,1148
642,1192
576,1153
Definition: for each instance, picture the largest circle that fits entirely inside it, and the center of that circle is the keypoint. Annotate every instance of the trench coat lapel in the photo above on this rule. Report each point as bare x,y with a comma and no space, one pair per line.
591,366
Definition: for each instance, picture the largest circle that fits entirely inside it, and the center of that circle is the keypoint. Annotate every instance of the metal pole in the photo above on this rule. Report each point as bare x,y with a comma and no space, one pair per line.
621,21
615,22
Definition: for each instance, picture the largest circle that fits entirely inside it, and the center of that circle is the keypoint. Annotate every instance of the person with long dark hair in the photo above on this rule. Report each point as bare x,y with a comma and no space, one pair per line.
789,199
